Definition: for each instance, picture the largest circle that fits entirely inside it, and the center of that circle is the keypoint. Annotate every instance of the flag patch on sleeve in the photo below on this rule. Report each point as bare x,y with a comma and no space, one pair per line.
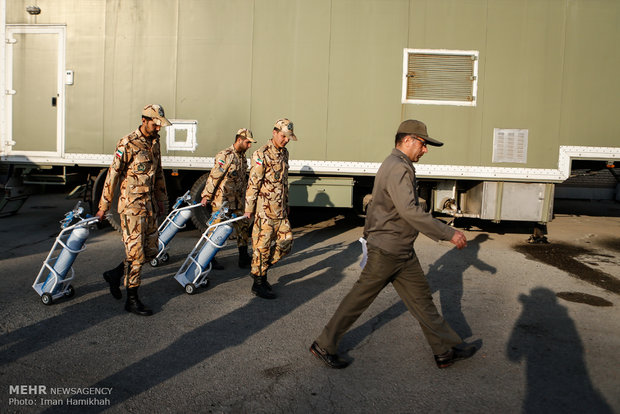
221,162
259,161
119,153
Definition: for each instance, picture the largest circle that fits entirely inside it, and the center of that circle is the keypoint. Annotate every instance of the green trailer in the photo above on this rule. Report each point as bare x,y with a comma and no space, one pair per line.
517,90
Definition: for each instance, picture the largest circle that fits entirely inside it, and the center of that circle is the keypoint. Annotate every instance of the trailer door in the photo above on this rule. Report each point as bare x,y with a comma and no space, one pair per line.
35,89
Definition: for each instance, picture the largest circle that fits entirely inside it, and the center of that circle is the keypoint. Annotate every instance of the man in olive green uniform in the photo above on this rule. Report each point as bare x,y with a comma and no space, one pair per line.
267,199
137,165
226,183
394,220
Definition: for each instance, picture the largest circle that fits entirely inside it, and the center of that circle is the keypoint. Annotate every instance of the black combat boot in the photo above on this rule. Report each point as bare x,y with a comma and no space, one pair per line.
260,289
113,277
134,305
244,258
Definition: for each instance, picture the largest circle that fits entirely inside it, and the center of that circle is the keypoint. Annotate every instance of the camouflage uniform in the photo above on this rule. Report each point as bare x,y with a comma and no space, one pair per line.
137,164
226,184
267,198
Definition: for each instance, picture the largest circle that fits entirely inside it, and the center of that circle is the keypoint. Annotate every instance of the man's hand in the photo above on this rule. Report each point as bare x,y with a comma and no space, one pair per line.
459,240
248,216
204,201
100,215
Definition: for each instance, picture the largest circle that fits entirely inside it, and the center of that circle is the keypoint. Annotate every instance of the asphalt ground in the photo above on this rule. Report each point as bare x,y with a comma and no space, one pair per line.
548,337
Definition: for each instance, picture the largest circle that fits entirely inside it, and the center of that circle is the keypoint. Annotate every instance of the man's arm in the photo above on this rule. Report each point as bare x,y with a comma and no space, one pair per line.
401,191
257,174
222,162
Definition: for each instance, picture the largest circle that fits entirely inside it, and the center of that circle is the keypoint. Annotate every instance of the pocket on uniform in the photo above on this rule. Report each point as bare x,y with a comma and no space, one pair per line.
142,163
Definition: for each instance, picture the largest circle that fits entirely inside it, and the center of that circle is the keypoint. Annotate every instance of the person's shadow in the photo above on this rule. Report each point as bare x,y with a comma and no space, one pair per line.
545,337
446,277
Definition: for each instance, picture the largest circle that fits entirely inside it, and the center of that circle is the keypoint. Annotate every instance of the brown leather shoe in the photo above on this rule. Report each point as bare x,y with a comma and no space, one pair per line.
331,360
455,354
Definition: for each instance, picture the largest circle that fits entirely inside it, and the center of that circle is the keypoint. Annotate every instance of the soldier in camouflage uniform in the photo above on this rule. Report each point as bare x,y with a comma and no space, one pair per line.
267,198
137,165
226,184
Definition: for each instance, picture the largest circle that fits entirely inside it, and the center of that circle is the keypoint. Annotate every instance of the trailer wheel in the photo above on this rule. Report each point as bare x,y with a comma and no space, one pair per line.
112,215
200,215
46,298
190,288
70,292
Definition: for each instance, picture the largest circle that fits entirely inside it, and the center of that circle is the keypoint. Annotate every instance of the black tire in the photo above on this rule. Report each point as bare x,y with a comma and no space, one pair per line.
154,262
96,194
164,258
200,215
190,289
112,215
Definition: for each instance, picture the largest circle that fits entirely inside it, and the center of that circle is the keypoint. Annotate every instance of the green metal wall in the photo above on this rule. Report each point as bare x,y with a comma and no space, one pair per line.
334,67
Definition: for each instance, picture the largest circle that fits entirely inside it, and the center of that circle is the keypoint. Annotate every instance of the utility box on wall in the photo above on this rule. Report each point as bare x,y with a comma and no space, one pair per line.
321,191
517,201
495,200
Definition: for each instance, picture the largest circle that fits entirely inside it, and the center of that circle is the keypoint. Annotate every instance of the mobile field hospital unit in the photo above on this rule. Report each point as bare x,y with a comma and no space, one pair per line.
516,89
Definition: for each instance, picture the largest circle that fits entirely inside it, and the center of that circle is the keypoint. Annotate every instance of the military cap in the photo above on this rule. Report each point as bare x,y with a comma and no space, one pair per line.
286,127
246,133
156,113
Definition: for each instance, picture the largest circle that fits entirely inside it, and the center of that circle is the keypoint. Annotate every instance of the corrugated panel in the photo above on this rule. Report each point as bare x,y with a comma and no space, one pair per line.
440,77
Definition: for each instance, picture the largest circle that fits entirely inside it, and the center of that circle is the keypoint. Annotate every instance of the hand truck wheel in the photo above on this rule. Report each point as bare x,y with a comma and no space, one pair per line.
190,288
70,292
154,262
46,298
165,257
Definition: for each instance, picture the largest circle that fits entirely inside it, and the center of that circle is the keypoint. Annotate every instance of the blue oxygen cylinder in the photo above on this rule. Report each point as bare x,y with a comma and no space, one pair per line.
180,218
219,236
65,259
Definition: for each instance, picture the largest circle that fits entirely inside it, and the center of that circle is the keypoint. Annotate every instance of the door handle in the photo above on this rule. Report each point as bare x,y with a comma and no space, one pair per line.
54,101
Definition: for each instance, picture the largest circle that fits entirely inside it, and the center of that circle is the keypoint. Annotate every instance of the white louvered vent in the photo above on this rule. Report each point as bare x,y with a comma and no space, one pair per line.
510,145
440,77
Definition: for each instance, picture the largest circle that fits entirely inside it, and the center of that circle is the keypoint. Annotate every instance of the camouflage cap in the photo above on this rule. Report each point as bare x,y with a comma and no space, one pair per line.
156,113
246,133
286,127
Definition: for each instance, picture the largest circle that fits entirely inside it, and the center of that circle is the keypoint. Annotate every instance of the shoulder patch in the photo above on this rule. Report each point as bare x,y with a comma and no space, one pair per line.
119,153
259,161
221,162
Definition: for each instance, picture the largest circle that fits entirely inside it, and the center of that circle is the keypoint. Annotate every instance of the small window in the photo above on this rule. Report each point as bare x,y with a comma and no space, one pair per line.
440,77
181,135
510,145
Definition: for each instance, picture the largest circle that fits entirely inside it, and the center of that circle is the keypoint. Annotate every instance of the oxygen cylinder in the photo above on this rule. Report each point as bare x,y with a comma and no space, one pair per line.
65,259
219,236
180,218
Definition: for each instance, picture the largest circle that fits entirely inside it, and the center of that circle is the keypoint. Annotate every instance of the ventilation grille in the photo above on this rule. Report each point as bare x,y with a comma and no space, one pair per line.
440,77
